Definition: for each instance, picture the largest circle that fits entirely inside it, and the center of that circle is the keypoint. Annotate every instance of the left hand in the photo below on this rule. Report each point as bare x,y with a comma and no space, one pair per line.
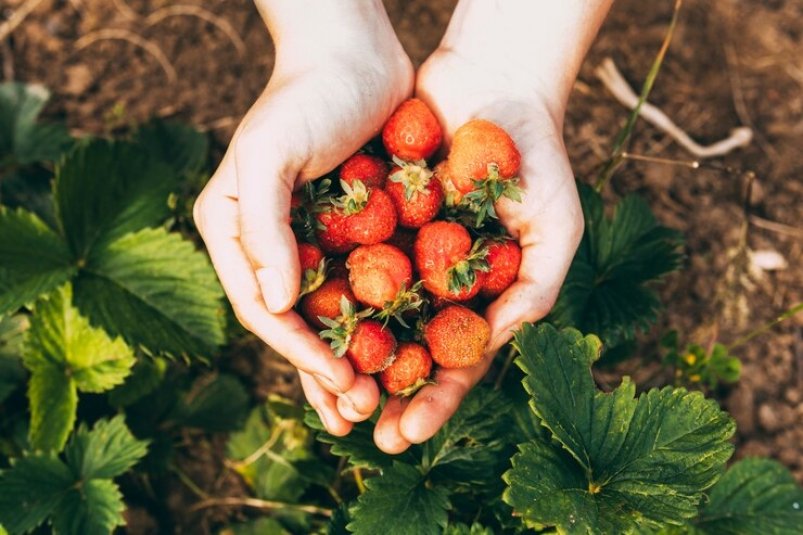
548,223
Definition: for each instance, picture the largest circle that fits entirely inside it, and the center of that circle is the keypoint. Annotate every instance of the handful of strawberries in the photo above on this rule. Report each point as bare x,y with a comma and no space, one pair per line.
397,259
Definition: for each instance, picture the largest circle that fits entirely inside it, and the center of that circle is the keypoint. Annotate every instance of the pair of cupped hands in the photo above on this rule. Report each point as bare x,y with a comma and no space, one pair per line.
322,104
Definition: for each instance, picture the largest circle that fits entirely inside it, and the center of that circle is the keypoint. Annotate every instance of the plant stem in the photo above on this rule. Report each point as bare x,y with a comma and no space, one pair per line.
620,144
505,367
359,480
188,482
766,327
256,503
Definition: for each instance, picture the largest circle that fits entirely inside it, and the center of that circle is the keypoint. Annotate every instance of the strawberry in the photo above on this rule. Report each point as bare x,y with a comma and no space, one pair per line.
450,266
368,169
377,273
313,267
457,337
409,371
325,302
504,259
412,132
451,195
369,215
332,232
416,195
482,164
366,343
372,347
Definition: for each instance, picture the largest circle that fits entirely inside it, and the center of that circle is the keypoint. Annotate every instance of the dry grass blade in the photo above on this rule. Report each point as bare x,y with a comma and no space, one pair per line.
621,90
620,144
196,11
255,503
774,226
134,39
17,17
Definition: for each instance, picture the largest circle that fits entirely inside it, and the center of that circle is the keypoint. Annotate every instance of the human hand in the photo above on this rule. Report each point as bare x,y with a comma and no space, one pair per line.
548,224
340,72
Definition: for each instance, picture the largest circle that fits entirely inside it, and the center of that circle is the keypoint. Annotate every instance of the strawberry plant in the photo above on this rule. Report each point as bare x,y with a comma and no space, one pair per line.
112,330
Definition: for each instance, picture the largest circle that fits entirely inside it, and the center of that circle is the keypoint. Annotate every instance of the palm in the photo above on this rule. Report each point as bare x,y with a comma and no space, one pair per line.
547,223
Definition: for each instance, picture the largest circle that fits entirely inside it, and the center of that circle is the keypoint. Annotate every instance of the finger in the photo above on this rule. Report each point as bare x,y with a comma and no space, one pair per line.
287,333
360,402
325,404
265,183
434,404
387,436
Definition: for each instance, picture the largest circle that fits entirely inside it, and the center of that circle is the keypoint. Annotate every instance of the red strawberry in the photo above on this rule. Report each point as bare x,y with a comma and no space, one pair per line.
332,232
409,370
368,169
368,214
313,267
378,272
504,259
451,195
366,343
457,337
482,165
416,195
449,265
412,132
326,301
372,347
476,145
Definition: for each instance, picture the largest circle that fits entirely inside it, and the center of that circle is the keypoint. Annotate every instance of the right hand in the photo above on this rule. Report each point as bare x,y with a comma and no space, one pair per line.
330,93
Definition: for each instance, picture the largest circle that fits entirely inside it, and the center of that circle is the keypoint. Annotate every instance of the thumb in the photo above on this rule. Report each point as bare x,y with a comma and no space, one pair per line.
265,185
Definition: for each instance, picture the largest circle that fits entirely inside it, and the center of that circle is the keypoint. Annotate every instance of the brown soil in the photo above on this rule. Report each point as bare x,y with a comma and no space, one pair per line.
731,63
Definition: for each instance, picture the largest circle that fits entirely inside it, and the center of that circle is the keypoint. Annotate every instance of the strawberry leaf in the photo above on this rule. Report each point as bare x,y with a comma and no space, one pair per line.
608,288
266,451
64,354
201,408
754,497
33,259
24,140
93,508
400,493
615,463
181,146
12,374
30,491
105,452
105,190
155,289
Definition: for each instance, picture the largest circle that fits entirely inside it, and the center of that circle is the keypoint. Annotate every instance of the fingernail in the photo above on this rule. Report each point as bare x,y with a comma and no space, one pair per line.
328,383
274,291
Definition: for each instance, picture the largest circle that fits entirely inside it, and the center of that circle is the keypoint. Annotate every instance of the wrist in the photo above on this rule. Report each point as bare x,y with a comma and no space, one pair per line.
312,32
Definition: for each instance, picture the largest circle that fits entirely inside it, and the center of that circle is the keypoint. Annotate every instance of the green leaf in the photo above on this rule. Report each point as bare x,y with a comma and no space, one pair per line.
358,445
463,529
33,259
607,290
755,496
12,374
266,451
616,463
468,446
181,146
54,400
94,507
260,526
107,451
31,490
145,376
105,190
63,339
22,139
202,407
155,289
400,498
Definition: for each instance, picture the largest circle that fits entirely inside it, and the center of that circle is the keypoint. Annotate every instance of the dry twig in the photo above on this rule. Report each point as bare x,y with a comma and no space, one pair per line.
196,11
134,39
621,90
259,504
17,17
